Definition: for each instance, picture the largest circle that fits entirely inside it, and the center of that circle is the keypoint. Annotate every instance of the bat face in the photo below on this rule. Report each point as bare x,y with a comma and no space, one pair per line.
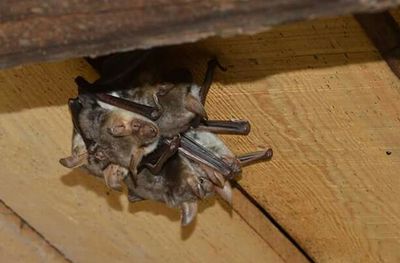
120,123
180,184
180,104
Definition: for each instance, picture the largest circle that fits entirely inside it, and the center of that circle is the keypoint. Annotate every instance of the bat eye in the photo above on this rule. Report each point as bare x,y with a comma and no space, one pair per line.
201,180
135,126
117,130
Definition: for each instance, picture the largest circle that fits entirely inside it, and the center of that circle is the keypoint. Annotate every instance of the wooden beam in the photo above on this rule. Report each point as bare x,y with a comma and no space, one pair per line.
384,32
37,30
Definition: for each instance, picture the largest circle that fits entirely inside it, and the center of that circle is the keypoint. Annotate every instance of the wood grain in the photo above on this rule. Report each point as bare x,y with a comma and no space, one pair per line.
32,30
320,94
20,243
76,213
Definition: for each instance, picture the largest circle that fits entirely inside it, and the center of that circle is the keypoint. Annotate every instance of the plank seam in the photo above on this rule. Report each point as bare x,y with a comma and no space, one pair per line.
273,221
23,223
257,232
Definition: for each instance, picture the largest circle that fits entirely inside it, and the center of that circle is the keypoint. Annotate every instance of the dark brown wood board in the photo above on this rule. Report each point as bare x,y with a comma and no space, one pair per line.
37,30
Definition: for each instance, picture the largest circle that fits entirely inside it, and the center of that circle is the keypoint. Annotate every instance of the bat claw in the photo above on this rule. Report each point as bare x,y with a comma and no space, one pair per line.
188,212
225,192
253,157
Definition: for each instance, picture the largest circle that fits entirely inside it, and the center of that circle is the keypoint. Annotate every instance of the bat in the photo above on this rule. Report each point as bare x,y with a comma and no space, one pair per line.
154,135
114,137
183,181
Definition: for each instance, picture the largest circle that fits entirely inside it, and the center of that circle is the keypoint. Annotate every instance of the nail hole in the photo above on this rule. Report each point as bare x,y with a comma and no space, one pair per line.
388,152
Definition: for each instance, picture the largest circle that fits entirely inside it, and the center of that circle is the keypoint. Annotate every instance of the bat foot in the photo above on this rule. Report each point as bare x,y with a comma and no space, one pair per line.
73,160
254,157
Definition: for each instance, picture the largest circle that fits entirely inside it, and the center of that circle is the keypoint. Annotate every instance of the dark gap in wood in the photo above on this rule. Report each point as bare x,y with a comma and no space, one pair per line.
272,220
384,32
25,223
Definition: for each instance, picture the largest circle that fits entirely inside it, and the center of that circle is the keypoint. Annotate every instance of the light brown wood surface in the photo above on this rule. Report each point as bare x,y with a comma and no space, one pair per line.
76,213
320,95
20,243
317,92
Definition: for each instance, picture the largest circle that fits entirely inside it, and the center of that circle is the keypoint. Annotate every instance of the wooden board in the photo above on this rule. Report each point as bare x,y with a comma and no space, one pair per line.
319,93
34,30
76,213
20,243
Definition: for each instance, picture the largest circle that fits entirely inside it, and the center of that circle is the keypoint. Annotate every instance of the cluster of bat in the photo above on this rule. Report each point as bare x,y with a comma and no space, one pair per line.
154,136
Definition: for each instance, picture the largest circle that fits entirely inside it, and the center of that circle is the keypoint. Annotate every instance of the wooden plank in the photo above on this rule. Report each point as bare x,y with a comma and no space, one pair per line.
20,243
320,94
267,230
32,30
76,213
384,32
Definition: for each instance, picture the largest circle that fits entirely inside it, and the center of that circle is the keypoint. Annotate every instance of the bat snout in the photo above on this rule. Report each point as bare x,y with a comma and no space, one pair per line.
144,129
149,131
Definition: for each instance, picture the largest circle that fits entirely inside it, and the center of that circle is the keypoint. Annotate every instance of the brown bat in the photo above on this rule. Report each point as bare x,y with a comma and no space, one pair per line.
203,164
106,138
184,180
173,186
174,106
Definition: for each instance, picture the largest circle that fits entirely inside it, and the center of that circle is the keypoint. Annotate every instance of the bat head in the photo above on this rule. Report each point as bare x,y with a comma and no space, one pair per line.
121,123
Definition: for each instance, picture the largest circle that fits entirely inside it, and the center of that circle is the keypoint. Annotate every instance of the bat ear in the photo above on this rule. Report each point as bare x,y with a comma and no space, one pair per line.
146,129
192,104
188,212
120,128
225,192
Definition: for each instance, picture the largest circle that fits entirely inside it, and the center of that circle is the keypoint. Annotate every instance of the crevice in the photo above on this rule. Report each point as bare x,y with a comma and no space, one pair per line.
24,223
273,221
